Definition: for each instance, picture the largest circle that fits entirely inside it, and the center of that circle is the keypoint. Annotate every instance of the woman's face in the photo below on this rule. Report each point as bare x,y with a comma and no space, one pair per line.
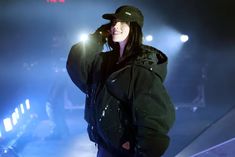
120,30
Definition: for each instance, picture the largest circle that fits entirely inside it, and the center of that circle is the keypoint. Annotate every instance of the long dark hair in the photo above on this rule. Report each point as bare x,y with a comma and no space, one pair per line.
135,40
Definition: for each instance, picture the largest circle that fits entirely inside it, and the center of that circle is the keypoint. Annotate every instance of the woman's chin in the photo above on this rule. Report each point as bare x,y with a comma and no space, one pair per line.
117,40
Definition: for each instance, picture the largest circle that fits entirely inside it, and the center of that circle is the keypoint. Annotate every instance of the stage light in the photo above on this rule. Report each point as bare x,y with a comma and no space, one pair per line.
27,104
9,152
83,37
7,124
0,134
14,118
149,38
22,108
17,113
194,108
184,38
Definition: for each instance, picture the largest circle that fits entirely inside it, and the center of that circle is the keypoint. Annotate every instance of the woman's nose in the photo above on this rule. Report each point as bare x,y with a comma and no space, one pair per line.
116,24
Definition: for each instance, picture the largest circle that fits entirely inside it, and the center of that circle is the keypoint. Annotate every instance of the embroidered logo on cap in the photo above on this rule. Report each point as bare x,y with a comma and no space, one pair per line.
128,13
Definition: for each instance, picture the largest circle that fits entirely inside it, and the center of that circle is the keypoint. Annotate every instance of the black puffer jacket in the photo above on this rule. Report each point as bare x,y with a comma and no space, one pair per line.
126,101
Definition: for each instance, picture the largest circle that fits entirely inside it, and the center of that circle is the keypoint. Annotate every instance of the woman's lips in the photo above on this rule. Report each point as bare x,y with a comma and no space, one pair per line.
117,33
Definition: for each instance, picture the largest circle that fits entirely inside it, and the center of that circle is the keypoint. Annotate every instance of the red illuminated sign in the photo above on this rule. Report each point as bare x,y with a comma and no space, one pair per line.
55,1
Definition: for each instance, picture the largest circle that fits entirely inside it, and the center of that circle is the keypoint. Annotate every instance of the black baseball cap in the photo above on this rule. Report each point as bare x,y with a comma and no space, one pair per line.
127,13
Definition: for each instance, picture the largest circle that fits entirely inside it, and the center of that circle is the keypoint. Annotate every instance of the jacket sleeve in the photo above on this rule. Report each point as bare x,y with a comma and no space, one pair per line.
153,114
81,59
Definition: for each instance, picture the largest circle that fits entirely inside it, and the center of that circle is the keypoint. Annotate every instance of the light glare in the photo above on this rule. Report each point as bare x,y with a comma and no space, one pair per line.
17,113
184,38
27,104
7,124
22,108
83,37
149,38
14,118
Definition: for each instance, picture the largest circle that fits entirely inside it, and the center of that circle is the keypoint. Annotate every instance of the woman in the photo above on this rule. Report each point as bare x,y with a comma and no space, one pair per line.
127,107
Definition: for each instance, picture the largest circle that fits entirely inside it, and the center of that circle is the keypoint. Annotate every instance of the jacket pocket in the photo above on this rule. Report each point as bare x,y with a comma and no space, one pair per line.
114,123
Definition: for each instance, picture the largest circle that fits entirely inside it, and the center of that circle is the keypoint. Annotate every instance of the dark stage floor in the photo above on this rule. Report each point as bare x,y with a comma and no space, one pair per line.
188,126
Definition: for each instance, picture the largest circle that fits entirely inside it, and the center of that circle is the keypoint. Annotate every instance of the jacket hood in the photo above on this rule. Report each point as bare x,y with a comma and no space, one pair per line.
153,60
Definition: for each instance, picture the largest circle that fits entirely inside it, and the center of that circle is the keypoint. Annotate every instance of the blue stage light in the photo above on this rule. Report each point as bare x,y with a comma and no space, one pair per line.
22,108
84,37
27,104
149,38
8,152
184,38
14,118
7,124
17,113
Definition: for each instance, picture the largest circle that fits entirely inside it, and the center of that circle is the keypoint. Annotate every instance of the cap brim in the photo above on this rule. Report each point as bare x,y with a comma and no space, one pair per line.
115,16
109,16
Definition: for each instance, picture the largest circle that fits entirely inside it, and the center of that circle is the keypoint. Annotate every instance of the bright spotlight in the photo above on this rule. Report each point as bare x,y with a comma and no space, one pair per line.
22,108
194,108
14,118
27,104
17,113
184,38
9,152
149,38
83,37
7,124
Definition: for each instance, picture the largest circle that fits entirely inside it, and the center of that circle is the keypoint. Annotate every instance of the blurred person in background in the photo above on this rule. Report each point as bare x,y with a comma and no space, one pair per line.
55,106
